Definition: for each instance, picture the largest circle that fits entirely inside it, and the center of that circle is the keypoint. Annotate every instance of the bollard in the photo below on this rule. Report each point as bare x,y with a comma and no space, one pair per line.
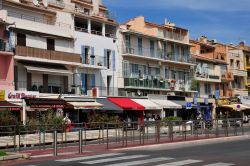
107,136
80,140
55,143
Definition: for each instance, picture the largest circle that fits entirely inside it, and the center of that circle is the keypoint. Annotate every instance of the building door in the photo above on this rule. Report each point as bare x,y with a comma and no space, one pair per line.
21,39
108,84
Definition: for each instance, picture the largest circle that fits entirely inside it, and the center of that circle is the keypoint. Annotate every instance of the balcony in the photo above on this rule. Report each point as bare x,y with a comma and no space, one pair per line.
5,46
157,55
47,54
227,76
238,72
56,3
53,88
149,84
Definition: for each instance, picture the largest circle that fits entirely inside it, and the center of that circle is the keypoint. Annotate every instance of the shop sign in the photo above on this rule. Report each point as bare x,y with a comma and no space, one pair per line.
217,94
206,101
18,95
2,95
195,101
188,105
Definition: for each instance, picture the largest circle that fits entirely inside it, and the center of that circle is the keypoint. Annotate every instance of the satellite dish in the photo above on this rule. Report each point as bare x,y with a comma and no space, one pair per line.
45,3
35,2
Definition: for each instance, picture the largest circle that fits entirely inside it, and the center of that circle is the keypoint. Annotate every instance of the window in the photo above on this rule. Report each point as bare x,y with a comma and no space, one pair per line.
21,39
149,70
231,63
127,41
135,68
139,46
207,87
50,44
238,64
157,72
108,58
152,48
173,74
166,74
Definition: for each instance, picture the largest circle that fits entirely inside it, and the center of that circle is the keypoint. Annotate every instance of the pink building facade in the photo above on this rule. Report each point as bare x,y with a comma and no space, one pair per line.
6,60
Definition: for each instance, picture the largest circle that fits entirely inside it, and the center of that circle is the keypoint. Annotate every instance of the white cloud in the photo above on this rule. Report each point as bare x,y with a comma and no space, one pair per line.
208,5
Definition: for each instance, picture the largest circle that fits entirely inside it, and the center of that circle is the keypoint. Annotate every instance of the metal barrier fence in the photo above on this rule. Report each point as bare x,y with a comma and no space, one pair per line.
89,136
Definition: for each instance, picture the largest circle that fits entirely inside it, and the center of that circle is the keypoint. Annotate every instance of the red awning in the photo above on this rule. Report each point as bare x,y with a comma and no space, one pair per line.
126,103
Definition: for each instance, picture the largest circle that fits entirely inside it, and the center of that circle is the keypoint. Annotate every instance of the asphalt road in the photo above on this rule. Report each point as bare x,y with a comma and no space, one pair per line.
225,153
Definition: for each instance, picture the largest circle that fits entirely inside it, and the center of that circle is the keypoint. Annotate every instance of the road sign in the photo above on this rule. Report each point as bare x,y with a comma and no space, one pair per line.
188,105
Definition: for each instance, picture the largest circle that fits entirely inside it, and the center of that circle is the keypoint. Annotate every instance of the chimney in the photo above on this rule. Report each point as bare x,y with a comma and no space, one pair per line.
96,6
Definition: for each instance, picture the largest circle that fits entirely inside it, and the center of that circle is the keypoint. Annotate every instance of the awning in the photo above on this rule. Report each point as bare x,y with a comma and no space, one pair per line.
167,104
126,103
148,104
236,107
9,106
109,106
182,103
45,103
84,105
48,70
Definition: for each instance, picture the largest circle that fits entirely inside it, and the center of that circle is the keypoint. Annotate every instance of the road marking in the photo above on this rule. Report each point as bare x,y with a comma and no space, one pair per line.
220,164
48,155
142,161
114,159
89,157
180,163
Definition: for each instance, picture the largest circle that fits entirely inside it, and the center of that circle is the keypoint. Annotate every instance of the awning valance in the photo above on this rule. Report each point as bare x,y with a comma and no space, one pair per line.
9,106
148,104
167,104
48,70
126,103
84,105
109,106
45,103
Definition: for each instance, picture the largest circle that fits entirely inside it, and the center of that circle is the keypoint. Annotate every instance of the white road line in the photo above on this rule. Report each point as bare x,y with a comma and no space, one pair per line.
114,159
220,164
180,163
89,157
138,162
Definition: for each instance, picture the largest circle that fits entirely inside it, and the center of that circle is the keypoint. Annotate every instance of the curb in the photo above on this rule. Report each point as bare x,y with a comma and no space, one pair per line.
187,143
14,156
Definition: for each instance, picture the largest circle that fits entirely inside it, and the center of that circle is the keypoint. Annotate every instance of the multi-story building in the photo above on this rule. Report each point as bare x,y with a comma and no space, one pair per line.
62,47
246,55
235,59
212,74
155,59
95,40
6,56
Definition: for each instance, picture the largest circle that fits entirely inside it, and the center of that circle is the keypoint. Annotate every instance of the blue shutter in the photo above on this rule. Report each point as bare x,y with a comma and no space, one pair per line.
83,89
113,59
105,57
83,53
93,80
92,56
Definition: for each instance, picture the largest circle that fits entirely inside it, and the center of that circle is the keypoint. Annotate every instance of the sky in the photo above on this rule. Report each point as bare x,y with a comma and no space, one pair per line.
227,21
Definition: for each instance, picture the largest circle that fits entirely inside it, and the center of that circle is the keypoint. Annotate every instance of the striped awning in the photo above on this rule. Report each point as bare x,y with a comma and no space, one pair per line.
148,104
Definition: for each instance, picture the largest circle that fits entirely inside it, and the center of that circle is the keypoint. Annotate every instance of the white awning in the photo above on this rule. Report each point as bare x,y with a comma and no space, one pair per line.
167,104
86,105
148,104
48,70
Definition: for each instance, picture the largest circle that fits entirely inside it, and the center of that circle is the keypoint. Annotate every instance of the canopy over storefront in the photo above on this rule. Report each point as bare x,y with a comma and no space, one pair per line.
126,103
5,105
148,104
84,105
109,106
237,107
167,104
45,103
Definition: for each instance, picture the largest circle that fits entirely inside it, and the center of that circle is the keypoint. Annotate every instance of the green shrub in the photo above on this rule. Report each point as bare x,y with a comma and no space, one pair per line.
171,118
6,118
2,153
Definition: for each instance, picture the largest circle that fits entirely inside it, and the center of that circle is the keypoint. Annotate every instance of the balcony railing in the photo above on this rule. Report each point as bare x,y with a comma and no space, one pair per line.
146,83
227,76
214,77
54,88
38,19
94,60
57,3
5,46
47,54
158,54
